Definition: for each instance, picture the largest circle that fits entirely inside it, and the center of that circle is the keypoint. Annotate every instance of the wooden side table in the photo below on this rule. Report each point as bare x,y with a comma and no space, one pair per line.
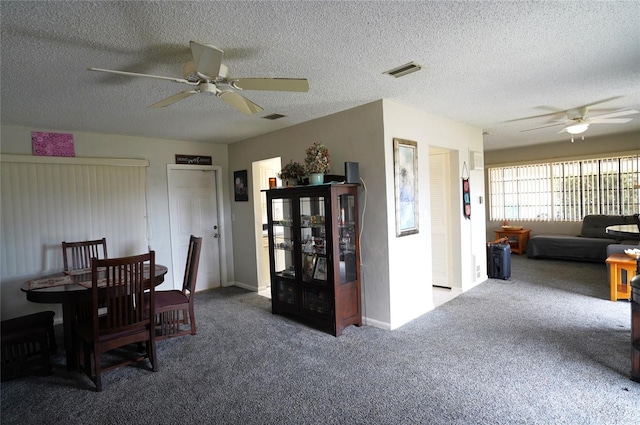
518,239
619,284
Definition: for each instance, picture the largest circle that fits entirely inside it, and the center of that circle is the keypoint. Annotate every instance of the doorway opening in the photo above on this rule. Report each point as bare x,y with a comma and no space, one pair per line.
262,171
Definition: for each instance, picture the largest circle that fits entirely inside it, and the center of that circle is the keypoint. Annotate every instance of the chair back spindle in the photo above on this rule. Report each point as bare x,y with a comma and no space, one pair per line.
78,255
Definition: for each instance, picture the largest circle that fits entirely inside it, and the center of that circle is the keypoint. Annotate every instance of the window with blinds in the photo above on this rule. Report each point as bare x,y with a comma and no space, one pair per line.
47,201
565,191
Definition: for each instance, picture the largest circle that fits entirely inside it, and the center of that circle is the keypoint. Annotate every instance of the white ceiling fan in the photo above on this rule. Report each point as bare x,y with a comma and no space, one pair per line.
207,74
577,122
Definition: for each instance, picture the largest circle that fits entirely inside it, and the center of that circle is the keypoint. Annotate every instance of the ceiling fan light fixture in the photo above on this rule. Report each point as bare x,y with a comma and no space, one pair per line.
577,128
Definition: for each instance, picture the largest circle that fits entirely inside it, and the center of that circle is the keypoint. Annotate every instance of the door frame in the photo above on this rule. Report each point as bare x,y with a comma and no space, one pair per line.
222,227
260,183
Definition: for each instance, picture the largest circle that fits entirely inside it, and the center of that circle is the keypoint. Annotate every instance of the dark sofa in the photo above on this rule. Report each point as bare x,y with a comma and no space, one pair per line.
590,245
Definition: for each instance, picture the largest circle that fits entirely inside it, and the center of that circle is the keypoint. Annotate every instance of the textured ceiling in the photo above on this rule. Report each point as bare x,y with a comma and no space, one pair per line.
486,63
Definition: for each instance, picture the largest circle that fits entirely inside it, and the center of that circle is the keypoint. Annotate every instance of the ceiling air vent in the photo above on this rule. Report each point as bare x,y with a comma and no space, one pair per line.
403,70
274,117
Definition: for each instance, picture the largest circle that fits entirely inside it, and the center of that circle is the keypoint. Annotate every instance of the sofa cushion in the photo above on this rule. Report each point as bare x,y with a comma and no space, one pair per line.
567,247
620,248
595,226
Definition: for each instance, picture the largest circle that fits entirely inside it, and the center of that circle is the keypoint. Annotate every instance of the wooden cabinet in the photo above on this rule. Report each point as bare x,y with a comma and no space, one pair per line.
314,254
518,239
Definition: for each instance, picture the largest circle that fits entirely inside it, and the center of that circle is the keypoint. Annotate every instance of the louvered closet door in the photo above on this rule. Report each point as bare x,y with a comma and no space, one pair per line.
440,189
43,204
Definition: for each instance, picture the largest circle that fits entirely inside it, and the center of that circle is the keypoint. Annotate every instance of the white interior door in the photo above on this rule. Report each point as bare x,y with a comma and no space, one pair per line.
194,211
440,212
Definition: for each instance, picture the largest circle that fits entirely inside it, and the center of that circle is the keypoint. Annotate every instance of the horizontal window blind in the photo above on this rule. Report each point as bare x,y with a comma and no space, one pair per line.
44,203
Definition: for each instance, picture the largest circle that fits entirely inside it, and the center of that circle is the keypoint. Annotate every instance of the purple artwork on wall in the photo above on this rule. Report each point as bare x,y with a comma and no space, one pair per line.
52,144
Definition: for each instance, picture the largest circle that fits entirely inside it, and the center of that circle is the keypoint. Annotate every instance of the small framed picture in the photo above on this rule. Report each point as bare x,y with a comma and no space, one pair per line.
308,264
240,186
320,271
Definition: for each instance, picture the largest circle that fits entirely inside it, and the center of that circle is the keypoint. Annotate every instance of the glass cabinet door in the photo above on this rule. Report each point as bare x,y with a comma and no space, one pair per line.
313,239
283,249
347,238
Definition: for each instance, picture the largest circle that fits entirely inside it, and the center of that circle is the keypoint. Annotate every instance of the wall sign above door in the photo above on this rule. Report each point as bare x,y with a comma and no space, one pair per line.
193,159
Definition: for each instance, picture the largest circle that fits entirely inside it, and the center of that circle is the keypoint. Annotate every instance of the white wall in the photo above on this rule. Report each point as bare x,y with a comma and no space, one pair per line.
590,147
394,287
159,153
410,256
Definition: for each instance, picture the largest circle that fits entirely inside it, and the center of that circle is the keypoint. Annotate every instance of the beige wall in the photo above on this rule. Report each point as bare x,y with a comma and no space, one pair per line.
159,152
353,135
588,148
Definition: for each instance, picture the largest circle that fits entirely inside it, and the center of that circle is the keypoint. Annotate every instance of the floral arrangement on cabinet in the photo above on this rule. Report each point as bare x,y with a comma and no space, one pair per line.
317,160
292,172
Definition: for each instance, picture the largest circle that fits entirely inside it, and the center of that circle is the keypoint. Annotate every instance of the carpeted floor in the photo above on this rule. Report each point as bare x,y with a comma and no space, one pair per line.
545,347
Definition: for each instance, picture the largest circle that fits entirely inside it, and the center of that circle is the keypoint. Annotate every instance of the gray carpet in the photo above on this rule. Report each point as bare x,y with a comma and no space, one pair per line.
545,347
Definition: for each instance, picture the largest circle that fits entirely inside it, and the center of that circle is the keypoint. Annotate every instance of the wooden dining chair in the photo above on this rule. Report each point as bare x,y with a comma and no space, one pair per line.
126,287
78,255
174,308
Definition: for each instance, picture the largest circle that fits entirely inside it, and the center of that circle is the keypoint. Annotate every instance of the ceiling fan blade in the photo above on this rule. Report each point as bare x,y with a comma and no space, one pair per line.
609,120
206,58
135,74
563,113
558,114
614,114
239,102
173,99
273,84
599,102
544,126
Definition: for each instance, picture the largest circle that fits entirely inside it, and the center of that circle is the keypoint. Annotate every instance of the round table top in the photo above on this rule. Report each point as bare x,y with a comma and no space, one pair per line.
630,231
70,291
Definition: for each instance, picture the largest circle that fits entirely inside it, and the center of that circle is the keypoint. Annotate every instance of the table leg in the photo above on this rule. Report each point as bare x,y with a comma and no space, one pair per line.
613,281
69,319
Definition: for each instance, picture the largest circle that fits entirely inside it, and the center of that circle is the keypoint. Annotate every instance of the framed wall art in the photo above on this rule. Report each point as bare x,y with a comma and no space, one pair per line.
52,144
320,270
240,185
405,160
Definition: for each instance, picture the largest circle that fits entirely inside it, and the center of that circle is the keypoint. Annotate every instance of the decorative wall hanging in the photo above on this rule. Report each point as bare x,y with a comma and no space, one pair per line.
466,192
240,185
193,160
405,159
52,144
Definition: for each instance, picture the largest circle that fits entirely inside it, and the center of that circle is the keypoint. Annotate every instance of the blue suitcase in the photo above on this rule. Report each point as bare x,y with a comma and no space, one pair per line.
499,260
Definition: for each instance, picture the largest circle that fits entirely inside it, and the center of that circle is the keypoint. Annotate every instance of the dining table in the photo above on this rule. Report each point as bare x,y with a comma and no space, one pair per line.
71,289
